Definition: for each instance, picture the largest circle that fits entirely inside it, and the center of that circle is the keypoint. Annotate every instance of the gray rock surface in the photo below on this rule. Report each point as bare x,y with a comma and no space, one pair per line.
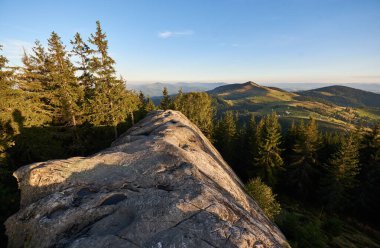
161,184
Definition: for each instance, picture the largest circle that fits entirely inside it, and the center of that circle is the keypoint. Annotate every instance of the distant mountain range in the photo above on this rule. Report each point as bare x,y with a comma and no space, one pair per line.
372,87
155,89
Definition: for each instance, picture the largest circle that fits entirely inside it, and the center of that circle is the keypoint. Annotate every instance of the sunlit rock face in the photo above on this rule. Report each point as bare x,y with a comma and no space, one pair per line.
161,184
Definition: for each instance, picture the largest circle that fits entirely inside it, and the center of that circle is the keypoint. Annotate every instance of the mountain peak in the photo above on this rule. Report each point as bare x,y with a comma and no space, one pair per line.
252,83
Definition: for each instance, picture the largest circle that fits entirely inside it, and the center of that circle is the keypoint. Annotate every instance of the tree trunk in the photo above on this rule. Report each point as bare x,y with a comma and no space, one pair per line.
74,120
132,118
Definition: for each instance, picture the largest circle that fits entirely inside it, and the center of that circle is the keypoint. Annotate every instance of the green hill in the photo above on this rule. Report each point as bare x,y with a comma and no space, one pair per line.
344,96
253,98
251,91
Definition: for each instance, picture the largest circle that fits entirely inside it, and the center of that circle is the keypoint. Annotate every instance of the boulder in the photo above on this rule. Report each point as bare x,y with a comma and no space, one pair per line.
161,184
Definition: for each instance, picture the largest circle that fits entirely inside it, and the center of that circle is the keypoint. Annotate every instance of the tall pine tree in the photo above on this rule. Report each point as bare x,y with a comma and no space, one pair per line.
341,175
225,136
67,93
9,97
35,83
369,189
268,159
110,103
82,52
252,140
302,172
166,102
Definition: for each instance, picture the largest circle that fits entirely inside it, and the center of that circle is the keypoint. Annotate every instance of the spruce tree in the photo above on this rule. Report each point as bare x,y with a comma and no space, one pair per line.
246,149
252,140
268,159
341,175
35,84
110,103
145,105
8,90
9,97
302,172
264,197
149,105
67,93
225,136
369,189
9,104
131,103
82,52
178,101
166,102
241,158
291,135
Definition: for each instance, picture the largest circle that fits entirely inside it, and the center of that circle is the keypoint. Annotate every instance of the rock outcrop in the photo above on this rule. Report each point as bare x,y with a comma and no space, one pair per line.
161,184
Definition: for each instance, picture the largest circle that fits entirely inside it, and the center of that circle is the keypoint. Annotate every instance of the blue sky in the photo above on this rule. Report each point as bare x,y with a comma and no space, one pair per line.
333,41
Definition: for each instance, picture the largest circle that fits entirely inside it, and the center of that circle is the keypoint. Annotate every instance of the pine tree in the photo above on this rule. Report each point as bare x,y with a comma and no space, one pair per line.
291,135
264,197
82,51
9,104
145,105
241,158
178,101
302,172
35,83
166,102
369,188
131,103
110,103
329,144
341,172
246,149
225,136
252,140
7,88
268,159
149,105
68,94
9,97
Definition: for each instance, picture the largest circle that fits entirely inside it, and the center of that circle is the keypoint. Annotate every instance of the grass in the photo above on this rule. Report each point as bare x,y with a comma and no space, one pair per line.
365,112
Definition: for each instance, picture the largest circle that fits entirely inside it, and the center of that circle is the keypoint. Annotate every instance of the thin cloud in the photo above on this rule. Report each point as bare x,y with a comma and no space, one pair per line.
170,34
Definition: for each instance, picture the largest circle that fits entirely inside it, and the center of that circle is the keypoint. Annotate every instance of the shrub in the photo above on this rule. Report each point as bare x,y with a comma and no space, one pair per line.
264,197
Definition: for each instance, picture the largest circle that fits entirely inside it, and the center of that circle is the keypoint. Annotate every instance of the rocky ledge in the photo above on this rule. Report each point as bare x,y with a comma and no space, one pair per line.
161,184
